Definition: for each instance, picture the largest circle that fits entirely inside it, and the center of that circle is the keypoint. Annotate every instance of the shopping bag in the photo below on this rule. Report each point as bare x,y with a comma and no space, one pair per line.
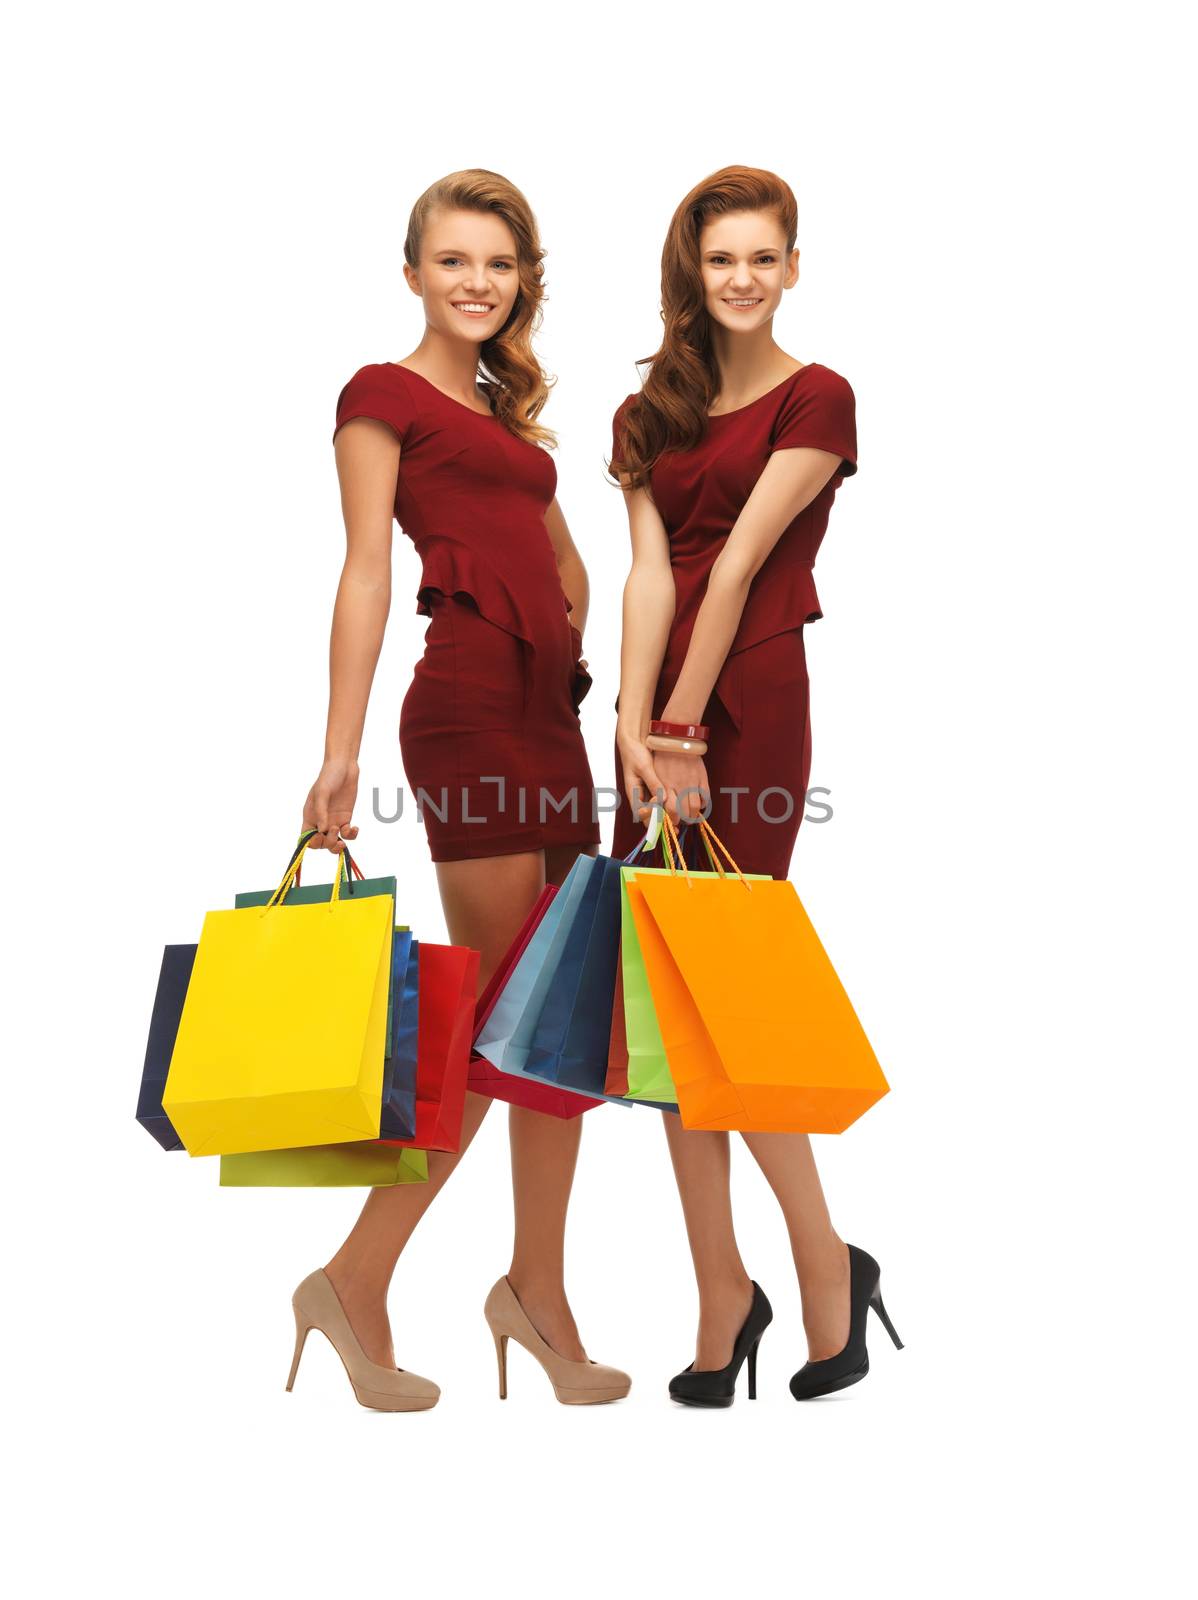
547,1045
397,1119
352,884
282,1038
448,994
497,980
640,1060
615,1080
648,1072
571,1035
173,978
398,1114
507,1034
759,1032
363,1165
486,1079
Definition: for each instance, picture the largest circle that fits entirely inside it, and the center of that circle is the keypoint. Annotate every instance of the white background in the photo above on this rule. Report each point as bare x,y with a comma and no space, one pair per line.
205,210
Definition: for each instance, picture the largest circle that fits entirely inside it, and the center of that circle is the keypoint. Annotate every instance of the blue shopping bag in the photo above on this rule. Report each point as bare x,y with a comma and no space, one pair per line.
570,1037
398,1118
173,978
507,1033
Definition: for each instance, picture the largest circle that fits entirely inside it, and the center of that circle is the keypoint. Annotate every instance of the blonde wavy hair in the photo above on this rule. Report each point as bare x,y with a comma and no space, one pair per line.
509,371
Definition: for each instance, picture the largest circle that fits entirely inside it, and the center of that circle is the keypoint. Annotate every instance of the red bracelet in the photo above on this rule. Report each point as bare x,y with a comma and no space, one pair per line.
680,730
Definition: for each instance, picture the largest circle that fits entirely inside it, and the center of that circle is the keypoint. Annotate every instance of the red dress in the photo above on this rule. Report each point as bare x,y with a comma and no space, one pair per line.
489,730
759,753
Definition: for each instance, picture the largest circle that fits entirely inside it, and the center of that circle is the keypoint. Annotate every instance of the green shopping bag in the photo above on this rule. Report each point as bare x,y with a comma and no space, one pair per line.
362,1165
648,1072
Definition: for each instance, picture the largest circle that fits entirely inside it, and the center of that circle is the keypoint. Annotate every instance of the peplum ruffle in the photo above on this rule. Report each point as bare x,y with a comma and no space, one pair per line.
453,567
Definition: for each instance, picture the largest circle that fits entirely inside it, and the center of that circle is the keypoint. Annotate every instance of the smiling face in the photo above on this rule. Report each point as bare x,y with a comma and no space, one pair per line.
745,267
467,277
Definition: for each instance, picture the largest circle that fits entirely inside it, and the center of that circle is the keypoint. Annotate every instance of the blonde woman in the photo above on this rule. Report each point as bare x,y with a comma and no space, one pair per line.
447,442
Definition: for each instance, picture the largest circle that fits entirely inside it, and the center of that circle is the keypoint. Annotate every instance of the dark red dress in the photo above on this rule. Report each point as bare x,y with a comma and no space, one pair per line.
489,730
759,752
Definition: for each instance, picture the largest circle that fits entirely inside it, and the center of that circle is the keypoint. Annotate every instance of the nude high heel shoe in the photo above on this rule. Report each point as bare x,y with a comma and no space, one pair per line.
575,1383
382,1388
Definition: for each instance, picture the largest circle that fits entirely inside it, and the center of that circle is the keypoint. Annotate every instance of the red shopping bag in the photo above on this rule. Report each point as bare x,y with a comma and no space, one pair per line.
486,1079
448,985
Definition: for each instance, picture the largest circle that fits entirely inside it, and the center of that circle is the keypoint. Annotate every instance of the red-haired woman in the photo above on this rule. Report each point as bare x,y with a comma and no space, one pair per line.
729,457
447,442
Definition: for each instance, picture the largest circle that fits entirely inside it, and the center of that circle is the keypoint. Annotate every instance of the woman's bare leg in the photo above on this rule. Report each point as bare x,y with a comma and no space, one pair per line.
820,1255
702,1166
485,901
544,1155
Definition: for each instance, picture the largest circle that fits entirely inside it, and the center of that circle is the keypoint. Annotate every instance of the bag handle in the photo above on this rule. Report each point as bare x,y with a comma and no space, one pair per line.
653,838
672,847
343,858
291,876
705,831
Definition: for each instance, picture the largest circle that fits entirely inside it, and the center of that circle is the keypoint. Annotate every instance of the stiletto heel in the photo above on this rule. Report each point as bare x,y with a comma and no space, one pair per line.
718,1387
316,1305
875,1301
302,1330
501,1355
818,1378
575,1383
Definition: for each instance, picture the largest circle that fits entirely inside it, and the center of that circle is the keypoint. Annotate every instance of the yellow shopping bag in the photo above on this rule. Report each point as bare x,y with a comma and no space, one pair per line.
759,1033
283,1033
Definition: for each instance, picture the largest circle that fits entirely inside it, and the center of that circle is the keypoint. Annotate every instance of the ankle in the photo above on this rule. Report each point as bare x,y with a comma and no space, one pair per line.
716,1293
823,1263
535,1287
354,1286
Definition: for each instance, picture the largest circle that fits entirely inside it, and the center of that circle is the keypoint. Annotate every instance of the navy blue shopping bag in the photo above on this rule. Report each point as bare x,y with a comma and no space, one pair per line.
398,1119
173,977
571,1039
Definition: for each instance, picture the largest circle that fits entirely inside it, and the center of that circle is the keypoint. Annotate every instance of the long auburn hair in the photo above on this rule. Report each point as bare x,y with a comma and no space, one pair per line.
514,379
670,412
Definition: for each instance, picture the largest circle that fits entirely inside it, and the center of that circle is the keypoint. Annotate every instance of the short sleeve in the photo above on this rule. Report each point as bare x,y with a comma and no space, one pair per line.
820,413
617,434
378,392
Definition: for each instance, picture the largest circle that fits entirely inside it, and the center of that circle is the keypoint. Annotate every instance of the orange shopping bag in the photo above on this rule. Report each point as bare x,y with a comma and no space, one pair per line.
758,1031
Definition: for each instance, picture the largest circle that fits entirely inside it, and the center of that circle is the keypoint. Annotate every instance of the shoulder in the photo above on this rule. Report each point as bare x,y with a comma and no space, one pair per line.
815,378
817,408
815,388
621,410
377,390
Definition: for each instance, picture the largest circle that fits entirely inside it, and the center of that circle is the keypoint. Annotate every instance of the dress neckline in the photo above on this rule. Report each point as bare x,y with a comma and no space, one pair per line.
487,416
720,415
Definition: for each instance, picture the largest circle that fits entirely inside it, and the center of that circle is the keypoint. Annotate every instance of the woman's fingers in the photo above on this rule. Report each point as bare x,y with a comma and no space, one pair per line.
692,805
646,790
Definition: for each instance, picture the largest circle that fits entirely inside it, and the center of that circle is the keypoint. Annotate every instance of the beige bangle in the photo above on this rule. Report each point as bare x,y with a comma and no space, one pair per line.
682,747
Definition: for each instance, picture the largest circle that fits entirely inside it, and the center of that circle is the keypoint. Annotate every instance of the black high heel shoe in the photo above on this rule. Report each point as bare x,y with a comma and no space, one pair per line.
718,1387
851,1365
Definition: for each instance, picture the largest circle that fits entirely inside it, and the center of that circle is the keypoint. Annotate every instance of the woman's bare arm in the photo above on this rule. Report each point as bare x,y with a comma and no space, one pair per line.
570,569
367,455
649,602
790,480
